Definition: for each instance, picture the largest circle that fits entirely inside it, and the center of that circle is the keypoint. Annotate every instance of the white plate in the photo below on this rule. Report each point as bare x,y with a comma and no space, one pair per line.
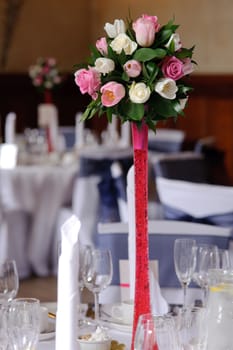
49,333
112,322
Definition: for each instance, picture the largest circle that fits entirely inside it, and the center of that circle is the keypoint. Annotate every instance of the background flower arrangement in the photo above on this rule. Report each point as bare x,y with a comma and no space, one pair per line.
137,72
45,74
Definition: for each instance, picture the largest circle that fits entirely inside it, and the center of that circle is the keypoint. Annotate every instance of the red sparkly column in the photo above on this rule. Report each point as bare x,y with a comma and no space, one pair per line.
142,286
48,99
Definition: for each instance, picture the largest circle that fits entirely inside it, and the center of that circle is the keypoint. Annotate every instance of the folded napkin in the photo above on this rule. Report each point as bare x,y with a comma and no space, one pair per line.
68,290
10,128
79,131
159,305
48,118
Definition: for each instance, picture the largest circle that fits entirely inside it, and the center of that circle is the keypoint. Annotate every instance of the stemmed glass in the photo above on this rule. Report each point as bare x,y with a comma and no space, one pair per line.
185,262
207,258
97,273
156,330
9,281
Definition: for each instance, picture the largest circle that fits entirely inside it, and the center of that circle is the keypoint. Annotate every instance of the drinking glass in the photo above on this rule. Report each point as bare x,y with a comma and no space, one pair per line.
207,258
185,262
24,323
9,281
156,330
190,326
3,327
97,273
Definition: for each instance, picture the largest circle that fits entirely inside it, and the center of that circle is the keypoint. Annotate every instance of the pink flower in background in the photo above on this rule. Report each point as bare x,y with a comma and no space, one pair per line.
172,68
101,45
88,81
132,68
187,66
145,28
112,93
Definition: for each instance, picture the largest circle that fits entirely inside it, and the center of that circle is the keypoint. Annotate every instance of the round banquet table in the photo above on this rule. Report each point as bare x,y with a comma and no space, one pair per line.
30,198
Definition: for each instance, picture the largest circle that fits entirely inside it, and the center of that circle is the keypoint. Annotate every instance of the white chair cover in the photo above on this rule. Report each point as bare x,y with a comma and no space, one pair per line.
166,140
194,199
10,125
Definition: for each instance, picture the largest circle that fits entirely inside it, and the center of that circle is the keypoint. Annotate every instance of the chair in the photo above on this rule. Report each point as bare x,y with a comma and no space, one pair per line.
188,166
198,202
162,234
166,140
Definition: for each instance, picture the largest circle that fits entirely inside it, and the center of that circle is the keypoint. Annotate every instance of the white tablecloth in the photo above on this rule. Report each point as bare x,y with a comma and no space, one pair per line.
30,198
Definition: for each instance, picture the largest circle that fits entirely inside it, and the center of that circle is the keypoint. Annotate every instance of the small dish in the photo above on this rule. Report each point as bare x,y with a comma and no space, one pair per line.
94,345
49,333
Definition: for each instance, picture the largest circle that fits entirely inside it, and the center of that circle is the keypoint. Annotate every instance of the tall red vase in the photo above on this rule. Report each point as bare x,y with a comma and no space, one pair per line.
142,284
48,99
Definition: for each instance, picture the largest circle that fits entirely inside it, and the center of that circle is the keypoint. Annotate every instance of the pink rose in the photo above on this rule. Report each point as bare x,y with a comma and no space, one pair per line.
145,28
88,81
102,46
187,66
172,68
132,68
112,93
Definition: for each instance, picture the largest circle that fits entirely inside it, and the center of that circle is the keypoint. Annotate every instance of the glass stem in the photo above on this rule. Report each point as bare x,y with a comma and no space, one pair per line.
205,295
97,309
185,287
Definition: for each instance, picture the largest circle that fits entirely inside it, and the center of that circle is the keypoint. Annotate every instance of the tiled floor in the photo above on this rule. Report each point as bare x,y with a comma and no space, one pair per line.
45,289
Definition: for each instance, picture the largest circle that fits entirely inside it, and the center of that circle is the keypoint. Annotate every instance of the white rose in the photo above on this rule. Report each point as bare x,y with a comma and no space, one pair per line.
176,39
116,28
139,93
123,42
166,88
183,102
104,65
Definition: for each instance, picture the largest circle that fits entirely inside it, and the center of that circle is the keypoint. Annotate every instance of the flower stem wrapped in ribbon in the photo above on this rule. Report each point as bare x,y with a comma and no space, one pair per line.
137,72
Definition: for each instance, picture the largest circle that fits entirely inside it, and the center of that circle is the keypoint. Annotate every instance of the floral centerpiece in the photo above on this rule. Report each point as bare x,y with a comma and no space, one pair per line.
45,76
138,73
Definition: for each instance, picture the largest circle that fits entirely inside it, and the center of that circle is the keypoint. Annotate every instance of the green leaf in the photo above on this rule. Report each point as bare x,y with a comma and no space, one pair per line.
147,54
134,111
153,70
184,53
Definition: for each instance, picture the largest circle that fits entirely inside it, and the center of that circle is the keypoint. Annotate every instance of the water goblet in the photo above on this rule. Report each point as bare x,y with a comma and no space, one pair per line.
185,262
97,273
9,281
207,258
156,332
24,323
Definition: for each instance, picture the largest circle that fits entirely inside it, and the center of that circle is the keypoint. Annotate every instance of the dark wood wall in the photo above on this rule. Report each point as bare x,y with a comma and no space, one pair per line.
209,111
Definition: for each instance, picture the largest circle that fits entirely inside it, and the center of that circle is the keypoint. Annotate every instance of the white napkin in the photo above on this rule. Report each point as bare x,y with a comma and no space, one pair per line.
159,305
125,140
68,291
48,117
79,131
10,127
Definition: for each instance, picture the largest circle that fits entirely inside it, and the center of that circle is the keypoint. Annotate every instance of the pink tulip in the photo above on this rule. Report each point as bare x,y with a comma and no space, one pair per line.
101,45
187,66
132,68
172,68
88,81
145,28
112,93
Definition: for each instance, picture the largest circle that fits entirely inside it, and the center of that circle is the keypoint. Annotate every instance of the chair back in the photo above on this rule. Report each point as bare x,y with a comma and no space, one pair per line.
166,140
200,202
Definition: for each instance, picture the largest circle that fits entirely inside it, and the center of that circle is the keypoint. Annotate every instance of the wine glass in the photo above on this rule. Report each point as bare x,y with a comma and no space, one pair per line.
97,273
185,262
24,323
9,281
156,332
207,258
